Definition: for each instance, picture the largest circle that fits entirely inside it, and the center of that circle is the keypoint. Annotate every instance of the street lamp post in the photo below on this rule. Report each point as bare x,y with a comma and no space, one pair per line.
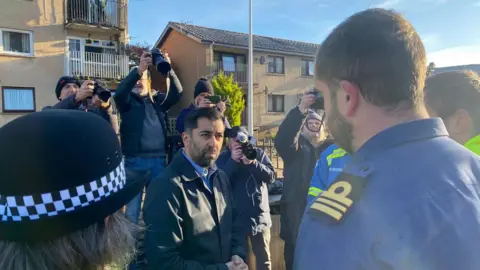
250,73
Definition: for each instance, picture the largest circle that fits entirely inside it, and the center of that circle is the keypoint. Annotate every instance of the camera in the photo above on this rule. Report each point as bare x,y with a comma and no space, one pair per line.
245,141
319,101
158,59
103,93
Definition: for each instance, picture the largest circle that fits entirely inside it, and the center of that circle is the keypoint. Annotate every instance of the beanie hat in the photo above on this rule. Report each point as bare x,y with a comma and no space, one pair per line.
203,86
313,115
60,171
64,81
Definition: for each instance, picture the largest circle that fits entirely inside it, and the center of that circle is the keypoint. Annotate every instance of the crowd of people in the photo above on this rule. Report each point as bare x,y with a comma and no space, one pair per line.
385,176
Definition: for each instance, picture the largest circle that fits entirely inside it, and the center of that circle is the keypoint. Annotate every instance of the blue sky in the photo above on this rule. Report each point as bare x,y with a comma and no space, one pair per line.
450,29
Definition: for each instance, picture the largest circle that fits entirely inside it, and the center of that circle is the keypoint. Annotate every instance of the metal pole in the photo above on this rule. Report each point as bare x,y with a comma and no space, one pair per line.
250,74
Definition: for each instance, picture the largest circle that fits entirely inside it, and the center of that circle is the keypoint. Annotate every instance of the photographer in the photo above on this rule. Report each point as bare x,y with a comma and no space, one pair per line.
300,139
143,129
249,179
203,91
75,96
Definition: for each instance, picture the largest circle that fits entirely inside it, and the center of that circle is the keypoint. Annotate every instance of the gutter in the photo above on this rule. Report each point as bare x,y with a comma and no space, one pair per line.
209,42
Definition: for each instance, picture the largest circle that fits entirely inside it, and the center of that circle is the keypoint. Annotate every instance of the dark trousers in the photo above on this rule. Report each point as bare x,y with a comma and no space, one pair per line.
289,254
259,246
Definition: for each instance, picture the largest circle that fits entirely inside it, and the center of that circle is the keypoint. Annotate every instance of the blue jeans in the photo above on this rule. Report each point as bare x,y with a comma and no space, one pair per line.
155,166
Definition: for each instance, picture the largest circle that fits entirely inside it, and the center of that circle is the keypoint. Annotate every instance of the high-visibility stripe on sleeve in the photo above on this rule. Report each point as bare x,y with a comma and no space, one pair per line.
337,153
313,191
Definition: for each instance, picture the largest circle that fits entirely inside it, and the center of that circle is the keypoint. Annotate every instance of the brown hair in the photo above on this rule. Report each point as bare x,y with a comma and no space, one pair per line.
450,91
89,249
379,51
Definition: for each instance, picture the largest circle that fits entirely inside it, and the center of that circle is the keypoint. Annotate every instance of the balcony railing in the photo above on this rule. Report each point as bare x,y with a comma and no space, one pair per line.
98,65
239,71
105,13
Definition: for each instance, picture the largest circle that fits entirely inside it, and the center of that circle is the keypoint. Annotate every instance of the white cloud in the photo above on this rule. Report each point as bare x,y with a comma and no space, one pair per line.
430,40
387,4
455,56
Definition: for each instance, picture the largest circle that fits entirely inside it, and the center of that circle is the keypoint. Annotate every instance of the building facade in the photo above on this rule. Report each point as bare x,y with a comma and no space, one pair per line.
283,69
42,40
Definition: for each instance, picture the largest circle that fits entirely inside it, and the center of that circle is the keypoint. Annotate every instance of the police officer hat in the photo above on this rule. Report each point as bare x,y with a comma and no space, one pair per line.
60,171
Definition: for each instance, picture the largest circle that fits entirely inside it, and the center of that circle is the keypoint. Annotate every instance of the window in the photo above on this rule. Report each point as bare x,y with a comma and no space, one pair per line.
18,99
307,67
275,64
16,42
276,103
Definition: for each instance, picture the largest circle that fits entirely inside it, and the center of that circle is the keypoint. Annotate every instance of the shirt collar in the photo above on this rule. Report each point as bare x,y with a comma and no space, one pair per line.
201,171
402,134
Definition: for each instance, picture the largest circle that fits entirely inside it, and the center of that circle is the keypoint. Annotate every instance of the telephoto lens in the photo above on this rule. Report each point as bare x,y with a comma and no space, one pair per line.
159,61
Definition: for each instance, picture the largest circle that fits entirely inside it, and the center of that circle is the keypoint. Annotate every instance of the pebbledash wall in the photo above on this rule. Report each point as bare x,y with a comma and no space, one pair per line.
43,19
44,22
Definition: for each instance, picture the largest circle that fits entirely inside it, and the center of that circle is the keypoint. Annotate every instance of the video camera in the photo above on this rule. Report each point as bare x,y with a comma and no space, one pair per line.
319,102
158,60
245,141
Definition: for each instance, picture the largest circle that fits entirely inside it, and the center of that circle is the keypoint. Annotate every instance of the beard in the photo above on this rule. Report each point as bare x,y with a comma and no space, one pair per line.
205,157
340,129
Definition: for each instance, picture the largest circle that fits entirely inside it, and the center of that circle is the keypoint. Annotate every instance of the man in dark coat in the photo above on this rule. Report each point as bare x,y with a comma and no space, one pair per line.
74,96
249,179
300,148
189,210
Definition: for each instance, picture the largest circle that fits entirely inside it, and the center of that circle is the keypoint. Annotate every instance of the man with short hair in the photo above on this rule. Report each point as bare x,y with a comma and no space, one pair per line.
189,209
409,197
455,97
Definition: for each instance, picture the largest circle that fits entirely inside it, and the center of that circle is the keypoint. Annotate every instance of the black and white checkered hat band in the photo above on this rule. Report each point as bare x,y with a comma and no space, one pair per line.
36,206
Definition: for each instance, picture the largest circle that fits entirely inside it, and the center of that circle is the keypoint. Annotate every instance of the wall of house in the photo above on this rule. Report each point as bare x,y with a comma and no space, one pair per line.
45,19
190,59
291,85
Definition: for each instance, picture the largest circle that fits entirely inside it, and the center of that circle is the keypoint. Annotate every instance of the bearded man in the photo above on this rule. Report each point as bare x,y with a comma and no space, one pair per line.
409,197
189,210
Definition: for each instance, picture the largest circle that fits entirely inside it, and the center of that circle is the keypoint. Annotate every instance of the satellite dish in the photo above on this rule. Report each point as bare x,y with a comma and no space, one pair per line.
262,60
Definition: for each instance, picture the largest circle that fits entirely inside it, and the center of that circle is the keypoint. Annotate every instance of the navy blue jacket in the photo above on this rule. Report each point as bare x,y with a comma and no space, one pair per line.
132,110
250,191
408,200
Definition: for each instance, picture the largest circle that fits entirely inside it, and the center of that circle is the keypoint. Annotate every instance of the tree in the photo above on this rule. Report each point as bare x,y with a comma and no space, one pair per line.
226,87
134,51
430,68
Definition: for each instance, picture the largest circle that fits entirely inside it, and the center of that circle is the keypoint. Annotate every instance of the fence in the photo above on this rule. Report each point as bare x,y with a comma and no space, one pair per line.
98,65
110,13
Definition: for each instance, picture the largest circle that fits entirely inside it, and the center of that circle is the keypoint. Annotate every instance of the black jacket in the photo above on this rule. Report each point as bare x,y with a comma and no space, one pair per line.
299,159
70,104
250,190
132,110
186,231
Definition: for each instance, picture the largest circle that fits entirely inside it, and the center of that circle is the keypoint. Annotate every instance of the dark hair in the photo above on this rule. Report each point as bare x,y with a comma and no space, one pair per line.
450,91
191,120
379,51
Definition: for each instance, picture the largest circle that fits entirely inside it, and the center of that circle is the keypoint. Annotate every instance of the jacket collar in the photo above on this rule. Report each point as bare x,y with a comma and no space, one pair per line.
184,167
402,134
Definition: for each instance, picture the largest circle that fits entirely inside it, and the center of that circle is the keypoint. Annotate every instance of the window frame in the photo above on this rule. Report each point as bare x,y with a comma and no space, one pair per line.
275,66
4,110
306,62
30,34
272,97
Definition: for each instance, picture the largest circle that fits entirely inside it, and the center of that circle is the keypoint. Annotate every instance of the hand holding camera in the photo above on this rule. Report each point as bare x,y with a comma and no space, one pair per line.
205,103
145,62
85,91
237,154
312,99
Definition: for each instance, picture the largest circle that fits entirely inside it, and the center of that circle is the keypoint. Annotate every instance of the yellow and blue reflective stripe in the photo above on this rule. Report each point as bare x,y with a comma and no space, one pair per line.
337,153
314,191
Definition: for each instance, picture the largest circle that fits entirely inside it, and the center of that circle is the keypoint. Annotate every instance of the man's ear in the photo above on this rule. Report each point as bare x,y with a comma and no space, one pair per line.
185,138
351,97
